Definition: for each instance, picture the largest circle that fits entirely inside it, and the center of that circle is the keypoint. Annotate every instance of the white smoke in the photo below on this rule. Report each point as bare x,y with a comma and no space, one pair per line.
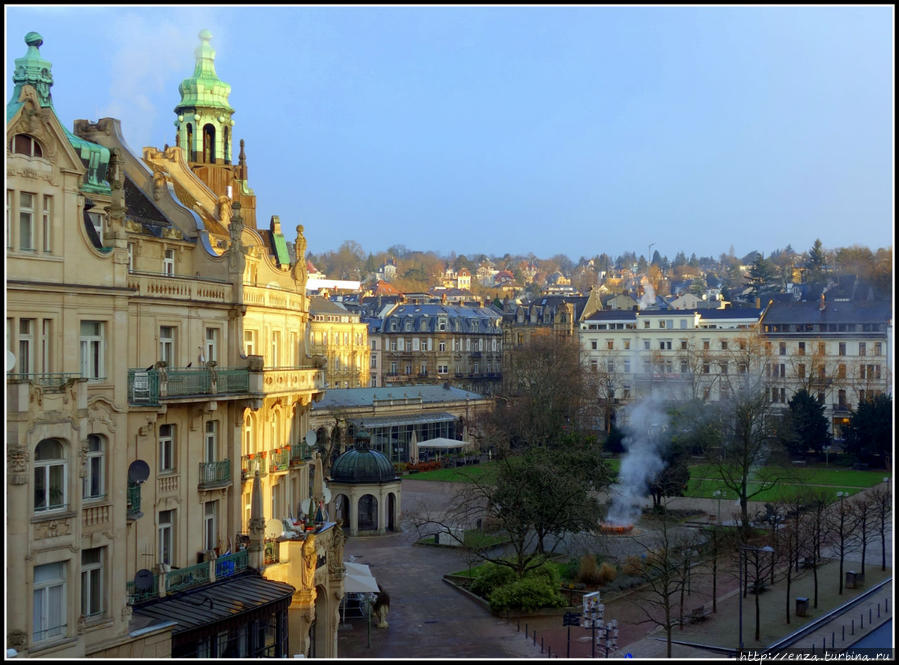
642,462
648,299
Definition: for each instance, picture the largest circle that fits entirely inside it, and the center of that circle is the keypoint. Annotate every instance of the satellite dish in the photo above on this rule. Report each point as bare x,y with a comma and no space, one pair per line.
274,528
143,580
138,472
326,494
311,437
10,361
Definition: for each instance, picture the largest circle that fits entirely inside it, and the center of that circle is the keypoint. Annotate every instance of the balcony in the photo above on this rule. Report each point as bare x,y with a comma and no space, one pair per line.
286,380
149,387
180,287
279,460
250,464
180,579
298,453
841,407
214,475
51,381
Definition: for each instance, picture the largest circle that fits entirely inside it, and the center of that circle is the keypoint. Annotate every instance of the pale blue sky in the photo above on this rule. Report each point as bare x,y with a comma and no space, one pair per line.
574,130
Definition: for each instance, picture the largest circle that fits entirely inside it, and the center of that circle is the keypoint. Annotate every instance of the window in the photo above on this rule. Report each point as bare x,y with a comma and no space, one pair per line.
49,476
209,512
822,348
393,367
25,361
167,345
374,362
424,369
276,348
724,345
610,345
705,344
705,368
26,221
861,348
211,440
23,144
476,368
878,348
92,350
415,345
723,367
408,369
782,348
801,348
130,257
166,448
842,348
683,366
249,442
249,342
841,371
49,611
92,581
166,536
168,262
441,346
627,345
94,485
10,194
683,345
442,369
212,344
97,219
800,371
46,344
646,344
47,223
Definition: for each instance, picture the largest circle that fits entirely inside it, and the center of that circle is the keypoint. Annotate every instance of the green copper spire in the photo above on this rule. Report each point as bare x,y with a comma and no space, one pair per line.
33,70
204,114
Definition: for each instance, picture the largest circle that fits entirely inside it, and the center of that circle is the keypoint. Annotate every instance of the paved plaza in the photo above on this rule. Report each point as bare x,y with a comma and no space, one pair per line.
431,619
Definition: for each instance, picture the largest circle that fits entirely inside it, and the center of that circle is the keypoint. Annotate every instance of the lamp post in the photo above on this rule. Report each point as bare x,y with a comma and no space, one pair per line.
842,534
748,548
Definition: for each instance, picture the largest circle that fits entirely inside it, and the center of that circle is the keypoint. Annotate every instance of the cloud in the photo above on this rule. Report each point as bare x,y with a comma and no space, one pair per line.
151,55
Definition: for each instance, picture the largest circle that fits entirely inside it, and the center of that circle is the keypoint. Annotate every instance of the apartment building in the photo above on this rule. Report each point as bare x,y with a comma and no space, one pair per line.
680,354
839,351
341,340
431,343
162,374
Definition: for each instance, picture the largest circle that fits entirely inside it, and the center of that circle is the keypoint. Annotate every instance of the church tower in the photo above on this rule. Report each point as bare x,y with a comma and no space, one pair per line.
204,132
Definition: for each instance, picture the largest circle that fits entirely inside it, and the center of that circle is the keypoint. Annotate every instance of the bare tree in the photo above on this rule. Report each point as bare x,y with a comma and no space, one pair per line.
881,500
814,532
663,569
841,524
863,510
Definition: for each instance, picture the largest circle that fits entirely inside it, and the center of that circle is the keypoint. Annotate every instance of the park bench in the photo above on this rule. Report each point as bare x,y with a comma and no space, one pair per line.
698,614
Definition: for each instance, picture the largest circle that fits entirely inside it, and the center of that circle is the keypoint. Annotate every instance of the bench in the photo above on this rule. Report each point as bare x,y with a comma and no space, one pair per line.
698,614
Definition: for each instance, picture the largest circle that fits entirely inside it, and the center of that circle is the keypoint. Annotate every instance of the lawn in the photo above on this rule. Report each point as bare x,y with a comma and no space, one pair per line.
461,474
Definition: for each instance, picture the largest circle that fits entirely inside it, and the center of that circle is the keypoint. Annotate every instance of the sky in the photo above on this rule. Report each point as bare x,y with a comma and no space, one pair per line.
525,129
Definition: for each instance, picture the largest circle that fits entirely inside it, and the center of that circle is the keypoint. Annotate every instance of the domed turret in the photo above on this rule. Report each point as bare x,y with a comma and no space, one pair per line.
362,464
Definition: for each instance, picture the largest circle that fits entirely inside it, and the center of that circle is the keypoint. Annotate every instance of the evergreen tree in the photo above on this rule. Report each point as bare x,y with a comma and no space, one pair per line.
869,435
808,423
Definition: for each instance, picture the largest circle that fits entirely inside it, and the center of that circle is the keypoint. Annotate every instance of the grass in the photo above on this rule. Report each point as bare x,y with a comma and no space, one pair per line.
462,474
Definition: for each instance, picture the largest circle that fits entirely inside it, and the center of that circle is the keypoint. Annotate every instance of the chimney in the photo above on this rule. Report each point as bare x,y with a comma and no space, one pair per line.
822,305
758,303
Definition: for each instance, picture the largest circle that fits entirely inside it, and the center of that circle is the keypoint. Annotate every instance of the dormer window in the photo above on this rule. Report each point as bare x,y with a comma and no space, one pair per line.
23,144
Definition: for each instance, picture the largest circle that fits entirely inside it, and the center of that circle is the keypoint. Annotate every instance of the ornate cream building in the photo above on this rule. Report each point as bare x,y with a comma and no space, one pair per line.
340,340
162,372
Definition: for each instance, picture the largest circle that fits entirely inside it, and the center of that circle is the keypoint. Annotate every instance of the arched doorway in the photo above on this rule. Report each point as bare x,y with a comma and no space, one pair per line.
391,512
342,509
209,144
368,513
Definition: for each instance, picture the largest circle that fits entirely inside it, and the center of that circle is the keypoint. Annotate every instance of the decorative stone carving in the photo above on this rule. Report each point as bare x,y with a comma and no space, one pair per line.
17,459
53,528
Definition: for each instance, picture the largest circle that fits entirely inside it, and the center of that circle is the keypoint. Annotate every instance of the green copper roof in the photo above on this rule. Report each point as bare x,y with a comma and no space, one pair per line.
204,89
33,70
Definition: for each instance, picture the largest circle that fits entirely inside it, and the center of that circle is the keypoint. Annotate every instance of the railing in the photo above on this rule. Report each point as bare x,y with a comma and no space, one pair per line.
182,287
183,578
133,501
149,386
279,460
278,380
135,596
215,474
46,380
249,464
298,453
840,406
231,564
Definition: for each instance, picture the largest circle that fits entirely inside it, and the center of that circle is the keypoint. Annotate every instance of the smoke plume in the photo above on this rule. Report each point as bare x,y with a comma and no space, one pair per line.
642,462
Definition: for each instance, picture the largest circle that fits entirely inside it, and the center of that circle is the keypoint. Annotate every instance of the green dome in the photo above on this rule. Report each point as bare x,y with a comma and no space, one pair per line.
362,465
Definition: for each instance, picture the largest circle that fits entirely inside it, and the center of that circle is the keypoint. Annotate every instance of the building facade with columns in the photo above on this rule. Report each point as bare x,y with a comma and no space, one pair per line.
161,361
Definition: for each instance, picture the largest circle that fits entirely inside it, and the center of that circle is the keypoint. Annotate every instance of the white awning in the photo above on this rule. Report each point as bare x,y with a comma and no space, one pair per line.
359,579
443,443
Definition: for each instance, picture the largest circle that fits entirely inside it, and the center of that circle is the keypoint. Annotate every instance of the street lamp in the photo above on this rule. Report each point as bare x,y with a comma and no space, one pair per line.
749,548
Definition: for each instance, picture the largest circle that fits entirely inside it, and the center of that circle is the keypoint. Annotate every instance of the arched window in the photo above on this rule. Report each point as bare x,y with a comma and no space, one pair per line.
209,144
95,476
249,442
276,429
23,144
190,143
225,143
49,476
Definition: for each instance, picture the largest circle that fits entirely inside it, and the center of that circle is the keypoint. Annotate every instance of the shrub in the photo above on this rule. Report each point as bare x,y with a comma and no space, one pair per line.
489,577
527,594
607,573
632,566
588,571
